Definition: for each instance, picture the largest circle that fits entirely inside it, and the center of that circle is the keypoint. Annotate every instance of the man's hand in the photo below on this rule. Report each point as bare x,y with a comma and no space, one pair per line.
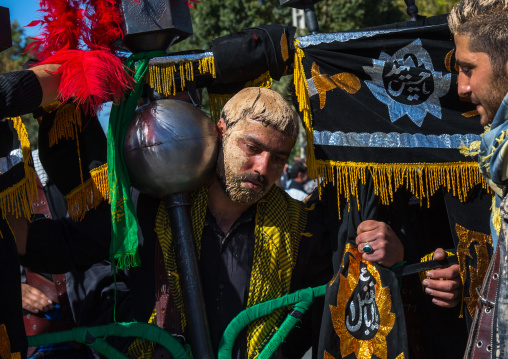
387,250
445,285
33,300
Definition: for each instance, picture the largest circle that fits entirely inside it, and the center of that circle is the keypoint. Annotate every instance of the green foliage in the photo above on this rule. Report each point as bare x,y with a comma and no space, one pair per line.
435,7
12,58
343,15
215,18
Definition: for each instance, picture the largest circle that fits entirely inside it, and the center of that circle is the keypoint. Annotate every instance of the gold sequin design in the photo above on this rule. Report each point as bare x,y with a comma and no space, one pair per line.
470,113
5,345
284,47
323,83
348,343
476,242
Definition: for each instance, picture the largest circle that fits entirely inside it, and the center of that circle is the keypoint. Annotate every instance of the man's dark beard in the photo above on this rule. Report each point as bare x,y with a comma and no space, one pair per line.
239,194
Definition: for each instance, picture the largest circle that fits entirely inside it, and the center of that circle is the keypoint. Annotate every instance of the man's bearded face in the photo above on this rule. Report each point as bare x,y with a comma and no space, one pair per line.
479,81
251,159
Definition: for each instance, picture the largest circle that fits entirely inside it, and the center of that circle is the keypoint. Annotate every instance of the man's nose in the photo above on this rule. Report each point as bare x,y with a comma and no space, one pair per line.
262,163
464,89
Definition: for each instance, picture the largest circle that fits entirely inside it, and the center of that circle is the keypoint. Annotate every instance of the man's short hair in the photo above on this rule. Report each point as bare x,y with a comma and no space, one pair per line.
264,105
298,167
485,23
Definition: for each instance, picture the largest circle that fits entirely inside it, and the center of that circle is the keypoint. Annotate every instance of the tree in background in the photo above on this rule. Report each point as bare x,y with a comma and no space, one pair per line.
435,7
13,59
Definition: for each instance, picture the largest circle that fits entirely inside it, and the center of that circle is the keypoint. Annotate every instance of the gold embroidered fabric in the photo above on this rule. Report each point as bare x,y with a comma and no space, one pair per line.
476,243
358,273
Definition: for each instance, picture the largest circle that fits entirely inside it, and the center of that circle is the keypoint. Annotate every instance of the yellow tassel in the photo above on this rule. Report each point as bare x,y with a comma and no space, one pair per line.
83,198
264,80
161,76
67,124
217,102
306,234
17,199
207,66
302,95
100,179
421,179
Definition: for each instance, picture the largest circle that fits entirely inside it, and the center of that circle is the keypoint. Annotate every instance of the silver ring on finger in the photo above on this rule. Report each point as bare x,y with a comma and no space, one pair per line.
367,248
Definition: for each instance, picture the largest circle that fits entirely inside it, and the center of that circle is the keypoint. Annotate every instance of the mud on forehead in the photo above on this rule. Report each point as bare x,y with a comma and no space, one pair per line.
261,104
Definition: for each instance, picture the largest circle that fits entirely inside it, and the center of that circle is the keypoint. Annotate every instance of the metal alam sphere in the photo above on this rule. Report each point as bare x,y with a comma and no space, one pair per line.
170,147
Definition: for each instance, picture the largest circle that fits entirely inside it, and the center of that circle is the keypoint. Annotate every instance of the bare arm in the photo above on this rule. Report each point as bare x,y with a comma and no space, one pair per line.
49,82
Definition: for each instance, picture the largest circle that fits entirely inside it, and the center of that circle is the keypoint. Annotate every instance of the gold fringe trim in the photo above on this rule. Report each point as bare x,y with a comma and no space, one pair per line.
67,124
161,77
264,80
83,198
217,102
302,94
51,107
17,199
422,179
100,178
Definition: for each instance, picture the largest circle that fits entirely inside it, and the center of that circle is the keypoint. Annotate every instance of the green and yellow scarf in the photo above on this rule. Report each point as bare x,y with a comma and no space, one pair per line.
280,222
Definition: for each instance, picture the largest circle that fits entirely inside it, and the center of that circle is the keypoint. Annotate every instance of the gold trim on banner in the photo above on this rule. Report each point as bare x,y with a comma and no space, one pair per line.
100,178
161,77
302,94
422,179
477,242
349,344
83,198
264,80
67,123
17,199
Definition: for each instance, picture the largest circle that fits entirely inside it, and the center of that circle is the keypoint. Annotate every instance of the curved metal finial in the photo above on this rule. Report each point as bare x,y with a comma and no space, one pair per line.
411,10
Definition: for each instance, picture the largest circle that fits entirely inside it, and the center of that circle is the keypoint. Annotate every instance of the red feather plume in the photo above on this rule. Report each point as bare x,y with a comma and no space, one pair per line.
63,27
90,78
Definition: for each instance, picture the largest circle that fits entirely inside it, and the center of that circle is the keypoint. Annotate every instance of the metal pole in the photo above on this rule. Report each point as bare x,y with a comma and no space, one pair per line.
178,207
411,9
311,18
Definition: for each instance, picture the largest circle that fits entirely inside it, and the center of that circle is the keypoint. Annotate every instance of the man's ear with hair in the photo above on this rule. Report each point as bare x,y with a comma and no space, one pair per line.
221,127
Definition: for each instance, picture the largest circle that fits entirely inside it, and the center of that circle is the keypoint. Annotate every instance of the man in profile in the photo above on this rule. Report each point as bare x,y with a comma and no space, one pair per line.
480,29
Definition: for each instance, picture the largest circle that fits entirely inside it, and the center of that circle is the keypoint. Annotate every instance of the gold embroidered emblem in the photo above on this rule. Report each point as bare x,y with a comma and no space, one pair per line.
467,241
448,61
5,345
323,83
470,113
363,321
284,47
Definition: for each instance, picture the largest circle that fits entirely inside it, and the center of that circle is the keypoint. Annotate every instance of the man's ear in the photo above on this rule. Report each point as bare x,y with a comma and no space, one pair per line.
221,127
